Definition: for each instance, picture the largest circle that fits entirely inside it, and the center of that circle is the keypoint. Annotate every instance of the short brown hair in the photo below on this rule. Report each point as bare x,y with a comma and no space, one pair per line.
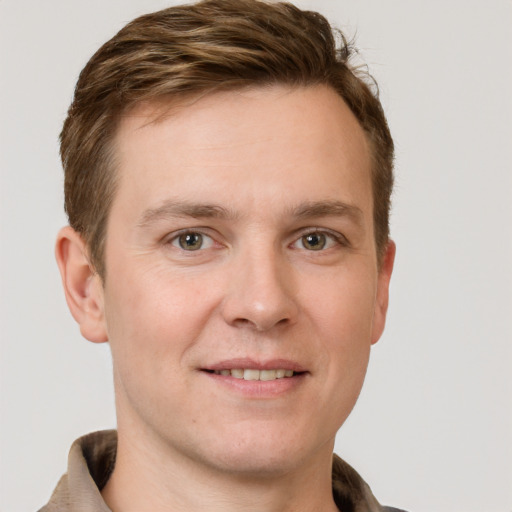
195,49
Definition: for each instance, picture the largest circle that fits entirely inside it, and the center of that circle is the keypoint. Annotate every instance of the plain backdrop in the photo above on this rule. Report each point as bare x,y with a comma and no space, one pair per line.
432,430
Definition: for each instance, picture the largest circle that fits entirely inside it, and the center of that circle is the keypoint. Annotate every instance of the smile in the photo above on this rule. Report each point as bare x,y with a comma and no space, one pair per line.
252,374
254,379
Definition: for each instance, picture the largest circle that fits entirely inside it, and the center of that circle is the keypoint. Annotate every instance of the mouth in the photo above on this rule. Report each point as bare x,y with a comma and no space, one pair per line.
257,378
255,374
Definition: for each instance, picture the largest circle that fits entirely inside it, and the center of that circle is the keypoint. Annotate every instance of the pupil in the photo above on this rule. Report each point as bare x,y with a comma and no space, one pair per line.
315,241
191,241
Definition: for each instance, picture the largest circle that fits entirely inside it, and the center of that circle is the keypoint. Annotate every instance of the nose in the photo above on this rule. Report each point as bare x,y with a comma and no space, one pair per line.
260,292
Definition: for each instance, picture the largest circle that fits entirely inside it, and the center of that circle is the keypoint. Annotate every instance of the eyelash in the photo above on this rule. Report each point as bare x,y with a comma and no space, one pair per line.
174,240
336,239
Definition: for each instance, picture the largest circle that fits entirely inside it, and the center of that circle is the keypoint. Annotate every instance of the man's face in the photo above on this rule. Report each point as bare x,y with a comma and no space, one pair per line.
240,246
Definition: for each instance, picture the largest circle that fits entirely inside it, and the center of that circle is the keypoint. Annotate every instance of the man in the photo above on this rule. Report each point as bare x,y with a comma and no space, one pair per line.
227,180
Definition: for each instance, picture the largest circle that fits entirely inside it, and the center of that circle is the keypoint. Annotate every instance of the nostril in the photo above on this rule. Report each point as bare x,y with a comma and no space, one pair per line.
242,322
261,324
260,304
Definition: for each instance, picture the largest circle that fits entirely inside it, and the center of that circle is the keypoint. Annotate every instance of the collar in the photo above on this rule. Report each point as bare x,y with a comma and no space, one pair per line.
92,458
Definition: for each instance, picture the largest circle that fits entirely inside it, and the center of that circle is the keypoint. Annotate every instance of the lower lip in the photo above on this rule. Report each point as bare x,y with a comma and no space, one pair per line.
258,388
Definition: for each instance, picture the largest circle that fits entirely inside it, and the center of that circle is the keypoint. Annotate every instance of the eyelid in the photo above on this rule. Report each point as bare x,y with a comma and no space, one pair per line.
340,239
336,236
174,236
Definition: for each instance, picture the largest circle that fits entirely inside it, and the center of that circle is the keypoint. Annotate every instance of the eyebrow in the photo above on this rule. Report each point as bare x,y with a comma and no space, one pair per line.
307,210
177,209
317,209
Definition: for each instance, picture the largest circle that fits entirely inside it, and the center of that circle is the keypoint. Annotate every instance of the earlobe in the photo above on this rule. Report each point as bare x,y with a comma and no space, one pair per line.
82,285
382,296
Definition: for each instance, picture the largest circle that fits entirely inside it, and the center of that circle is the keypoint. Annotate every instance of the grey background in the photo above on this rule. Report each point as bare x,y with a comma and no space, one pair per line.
433,428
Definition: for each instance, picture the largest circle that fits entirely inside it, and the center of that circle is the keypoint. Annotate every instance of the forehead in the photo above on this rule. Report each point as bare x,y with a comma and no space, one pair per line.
265,108
259,144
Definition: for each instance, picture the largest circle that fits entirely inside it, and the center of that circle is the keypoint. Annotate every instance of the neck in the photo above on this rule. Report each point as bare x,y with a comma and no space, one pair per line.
150,475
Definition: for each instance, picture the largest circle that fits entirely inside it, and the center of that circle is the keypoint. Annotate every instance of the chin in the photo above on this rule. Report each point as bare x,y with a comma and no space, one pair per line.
263,453
249,464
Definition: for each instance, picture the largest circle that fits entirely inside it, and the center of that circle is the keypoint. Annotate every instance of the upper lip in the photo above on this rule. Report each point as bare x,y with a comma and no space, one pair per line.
252,364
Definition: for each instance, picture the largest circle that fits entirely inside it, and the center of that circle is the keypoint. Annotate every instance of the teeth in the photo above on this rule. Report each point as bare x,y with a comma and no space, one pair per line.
251,374
267,374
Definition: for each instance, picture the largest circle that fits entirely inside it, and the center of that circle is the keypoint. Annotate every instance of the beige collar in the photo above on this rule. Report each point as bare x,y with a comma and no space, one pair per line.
92,459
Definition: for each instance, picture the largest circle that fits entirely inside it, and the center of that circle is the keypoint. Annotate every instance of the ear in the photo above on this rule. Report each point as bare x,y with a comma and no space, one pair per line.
82,285
382,296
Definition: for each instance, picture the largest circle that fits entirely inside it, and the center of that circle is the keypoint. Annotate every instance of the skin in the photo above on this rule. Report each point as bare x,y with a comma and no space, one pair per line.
254,173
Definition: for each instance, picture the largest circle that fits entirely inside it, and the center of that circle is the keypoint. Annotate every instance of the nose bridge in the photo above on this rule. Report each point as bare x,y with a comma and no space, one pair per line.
260,293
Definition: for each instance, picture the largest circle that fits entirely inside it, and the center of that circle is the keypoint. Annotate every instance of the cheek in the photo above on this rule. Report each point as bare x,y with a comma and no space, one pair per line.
342,312
342,306
152,330
152,317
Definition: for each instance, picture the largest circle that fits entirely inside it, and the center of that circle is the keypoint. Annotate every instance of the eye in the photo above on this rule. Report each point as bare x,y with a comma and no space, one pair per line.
192,241
317,241
314,241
